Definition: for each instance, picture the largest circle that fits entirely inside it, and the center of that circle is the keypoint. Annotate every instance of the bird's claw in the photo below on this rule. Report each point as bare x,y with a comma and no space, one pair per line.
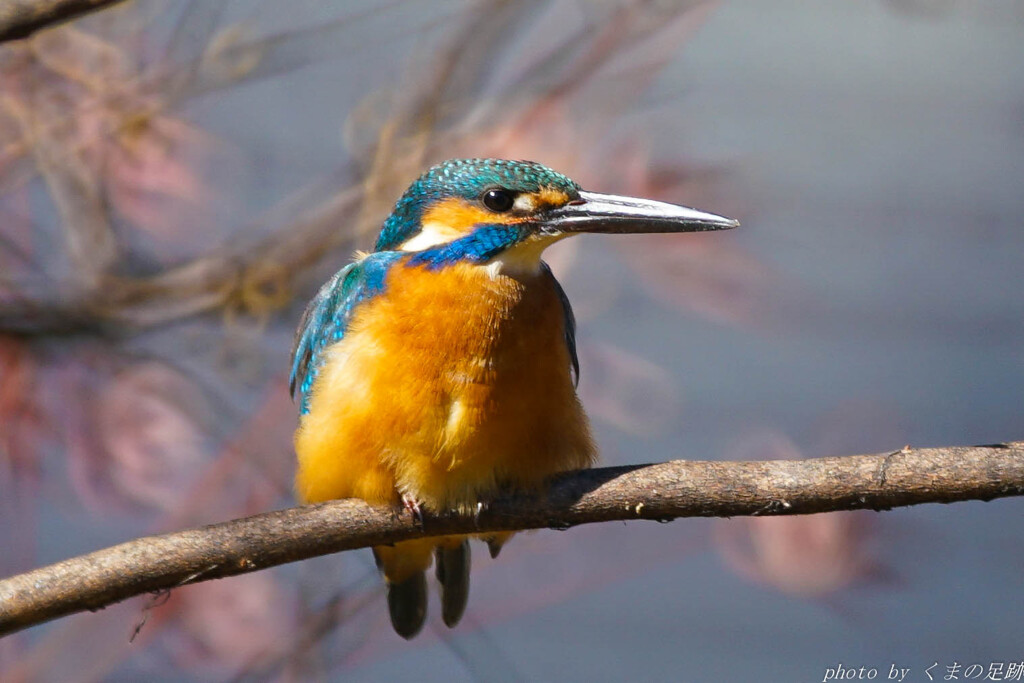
413,506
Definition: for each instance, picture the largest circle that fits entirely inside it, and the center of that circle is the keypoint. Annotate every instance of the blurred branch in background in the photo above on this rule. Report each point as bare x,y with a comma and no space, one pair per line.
22,18
660,492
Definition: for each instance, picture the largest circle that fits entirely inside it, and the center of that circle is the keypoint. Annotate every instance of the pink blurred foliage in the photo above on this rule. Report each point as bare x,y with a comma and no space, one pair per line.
23,426
218,627
83,648
710,277
104,114
544,131
147,418
210,630
16,248
141,447
154,178
248,473
805,556
140,444
626,390
22,421
858,426
134,433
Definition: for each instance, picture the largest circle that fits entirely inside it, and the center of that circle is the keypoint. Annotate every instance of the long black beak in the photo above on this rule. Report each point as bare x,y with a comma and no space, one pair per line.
609,213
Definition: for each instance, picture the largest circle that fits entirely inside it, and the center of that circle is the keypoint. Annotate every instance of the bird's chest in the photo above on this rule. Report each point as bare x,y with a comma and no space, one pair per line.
465,334
449,385
481,379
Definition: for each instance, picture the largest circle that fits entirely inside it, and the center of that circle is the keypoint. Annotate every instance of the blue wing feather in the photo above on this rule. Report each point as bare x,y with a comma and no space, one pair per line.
328,315
570,324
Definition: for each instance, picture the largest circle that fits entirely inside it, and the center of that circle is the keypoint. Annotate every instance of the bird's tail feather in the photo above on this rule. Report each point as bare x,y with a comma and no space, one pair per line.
453,563
404,567
407,604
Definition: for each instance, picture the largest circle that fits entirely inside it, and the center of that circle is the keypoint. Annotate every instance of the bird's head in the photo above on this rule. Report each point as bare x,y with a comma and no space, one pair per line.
484,208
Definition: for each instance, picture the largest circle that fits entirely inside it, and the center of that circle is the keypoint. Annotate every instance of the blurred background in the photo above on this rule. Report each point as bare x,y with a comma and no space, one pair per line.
177,178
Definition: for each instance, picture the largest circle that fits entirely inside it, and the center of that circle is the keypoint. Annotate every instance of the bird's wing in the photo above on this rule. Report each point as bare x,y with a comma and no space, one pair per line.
328,315
570,324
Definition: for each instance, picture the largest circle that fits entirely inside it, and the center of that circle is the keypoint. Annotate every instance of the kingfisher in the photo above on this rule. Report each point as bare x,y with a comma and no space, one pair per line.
440,369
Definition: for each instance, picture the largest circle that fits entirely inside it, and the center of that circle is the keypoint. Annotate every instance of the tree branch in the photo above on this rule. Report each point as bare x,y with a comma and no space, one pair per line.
659,492
21,18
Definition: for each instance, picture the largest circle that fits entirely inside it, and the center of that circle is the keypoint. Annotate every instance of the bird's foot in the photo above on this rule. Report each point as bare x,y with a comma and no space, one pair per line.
413,507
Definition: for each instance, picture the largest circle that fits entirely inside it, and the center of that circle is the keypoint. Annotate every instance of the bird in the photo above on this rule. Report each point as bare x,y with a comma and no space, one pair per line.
440,369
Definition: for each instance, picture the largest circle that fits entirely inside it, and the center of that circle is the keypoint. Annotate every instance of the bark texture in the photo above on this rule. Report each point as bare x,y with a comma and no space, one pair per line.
660,492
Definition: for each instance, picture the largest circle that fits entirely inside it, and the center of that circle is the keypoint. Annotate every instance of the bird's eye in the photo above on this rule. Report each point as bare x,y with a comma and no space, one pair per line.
499,201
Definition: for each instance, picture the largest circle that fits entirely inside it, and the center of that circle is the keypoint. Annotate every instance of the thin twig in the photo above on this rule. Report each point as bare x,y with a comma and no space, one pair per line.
660,492
21,18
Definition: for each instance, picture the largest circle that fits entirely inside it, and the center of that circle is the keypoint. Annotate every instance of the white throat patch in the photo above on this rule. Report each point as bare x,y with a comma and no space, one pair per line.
523,258
430,235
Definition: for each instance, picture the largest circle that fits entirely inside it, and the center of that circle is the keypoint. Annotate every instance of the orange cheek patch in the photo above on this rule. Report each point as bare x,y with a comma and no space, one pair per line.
549,198
459,216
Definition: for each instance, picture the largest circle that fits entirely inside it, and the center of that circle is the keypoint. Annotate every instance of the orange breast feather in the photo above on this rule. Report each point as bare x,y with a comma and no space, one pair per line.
448,385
